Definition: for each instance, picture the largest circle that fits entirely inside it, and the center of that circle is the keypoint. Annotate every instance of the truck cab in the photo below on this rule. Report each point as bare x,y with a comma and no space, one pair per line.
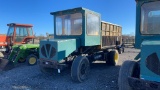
78,23
143,73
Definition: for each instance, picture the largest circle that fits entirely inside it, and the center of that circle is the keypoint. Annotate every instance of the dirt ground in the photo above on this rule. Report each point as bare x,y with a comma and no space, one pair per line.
102,77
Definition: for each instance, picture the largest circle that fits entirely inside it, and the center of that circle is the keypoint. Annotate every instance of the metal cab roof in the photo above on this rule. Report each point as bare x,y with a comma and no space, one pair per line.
22,25
78,9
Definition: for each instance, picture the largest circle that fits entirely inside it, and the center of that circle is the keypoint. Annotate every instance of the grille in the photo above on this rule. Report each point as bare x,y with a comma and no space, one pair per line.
45,50
153,64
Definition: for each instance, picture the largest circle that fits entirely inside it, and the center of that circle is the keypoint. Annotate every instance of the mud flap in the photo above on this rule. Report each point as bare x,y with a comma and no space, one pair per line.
6,65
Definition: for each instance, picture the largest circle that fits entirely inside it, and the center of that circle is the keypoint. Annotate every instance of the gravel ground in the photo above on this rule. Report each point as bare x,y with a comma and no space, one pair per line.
102,77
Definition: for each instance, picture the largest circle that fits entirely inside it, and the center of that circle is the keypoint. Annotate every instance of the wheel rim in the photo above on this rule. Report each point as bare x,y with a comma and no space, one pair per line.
83,71
116,57
32,60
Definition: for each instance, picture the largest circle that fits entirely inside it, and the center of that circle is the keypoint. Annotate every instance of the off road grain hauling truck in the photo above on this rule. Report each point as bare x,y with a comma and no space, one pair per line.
144,74
79,39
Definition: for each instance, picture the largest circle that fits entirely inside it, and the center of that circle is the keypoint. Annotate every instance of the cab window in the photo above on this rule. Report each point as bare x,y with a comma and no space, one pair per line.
150,18
93,24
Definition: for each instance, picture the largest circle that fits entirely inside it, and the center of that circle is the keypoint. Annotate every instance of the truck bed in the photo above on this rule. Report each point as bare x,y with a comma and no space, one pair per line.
111,34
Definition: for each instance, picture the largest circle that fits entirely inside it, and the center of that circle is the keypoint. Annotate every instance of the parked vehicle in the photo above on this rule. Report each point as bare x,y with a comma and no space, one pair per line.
79,39
15,43
144,73
17,34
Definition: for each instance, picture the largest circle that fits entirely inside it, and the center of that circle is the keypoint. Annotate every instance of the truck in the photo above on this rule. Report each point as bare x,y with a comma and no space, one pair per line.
80,38
19,46
143,73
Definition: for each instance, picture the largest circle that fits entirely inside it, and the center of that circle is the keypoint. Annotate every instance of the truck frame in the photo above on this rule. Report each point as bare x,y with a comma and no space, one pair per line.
80,37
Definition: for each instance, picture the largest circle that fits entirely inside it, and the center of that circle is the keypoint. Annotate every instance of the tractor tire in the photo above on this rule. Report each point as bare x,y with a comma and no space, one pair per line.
21,60
8,49
128,69
113,58
32,60
80,69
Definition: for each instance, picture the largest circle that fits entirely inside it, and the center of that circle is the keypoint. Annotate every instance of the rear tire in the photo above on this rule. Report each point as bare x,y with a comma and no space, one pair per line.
113,58
128,69
123,49
120,50
32,60
80,69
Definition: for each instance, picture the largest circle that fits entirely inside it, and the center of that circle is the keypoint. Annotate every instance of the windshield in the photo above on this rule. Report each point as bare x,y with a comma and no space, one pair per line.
10,31
70,24
150,18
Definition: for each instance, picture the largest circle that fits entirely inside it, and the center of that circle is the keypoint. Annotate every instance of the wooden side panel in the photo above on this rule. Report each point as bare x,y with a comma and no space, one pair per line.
111,34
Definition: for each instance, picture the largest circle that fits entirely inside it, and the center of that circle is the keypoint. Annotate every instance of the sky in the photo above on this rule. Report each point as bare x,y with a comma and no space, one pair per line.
37,13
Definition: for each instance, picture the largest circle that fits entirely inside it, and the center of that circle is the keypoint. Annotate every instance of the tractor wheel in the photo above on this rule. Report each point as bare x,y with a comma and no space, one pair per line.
32,60
21,60
80,69
8,49
128,69
113,58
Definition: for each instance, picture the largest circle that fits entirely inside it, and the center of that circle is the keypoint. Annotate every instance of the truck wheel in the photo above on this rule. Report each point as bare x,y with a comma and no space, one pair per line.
123,49
113,58
32,60
120,50
128,69
80,69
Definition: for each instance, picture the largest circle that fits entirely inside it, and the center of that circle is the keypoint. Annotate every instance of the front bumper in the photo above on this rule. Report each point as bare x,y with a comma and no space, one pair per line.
141,84
51,64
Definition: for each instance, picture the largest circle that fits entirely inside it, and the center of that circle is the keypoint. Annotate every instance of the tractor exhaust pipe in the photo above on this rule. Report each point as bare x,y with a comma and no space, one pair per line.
6,65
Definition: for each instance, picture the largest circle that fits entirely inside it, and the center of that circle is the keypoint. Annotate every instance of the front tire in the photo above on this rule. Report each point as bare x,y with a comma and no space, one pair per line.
128,69
80,69
32,60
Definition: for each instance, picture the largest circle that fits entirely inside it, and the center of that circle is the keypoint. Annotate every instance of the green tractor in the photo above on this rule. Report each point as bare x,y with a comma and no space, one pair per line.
143,73
17,45
80,38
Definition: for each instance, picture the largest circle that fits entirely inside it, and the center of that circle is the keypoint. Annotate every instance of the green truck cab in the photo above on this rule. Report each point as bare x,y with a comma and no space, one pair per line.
144,73
78,41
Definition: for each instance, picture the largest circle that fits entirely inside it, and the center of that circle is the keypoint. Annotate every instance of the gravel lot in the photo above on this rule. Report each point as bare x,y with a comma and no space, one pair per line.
102,77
